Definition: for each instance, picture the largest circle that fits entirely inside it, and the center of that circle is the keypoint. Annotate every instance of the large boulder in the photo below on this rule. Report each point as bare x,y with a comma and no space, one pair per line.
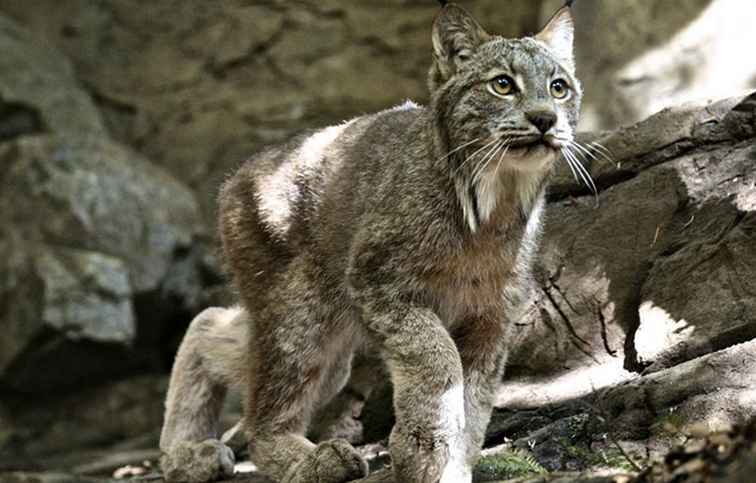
654,271
639,57
198,87
49,433
712,392
198,100
88,226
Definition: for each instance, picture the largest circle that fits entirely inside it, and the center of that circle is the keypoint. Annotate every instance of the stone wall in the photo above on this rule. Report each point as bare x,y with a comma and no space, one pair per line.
198,86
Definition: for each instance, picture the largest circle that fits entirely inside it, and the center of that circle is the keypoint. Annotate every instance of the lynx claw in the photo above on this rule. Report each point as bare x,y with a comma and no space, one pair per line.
334,461
188,462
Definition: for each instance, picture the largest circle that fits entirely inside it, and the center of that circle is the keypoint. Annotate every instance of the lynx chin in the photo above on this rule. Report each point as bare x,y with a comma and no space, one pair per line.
409,233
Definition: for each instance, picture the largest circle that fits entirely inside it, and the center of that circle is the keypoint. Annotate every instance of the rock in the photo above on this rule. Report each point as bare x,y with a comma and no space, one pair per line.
89,227
637,58
623,275
27,477
46,433
726,456
39,91
714,392
199,93
695,300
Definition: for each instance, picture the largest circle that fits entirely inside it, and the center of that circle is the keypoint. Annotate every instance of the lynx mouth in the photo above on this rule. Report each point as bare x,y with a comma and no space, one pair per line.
532,145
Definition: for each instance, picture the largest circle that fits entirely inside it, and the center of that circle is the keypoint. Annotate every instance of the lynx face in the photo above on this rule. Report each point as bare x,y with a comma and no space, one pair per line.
506,106
517,94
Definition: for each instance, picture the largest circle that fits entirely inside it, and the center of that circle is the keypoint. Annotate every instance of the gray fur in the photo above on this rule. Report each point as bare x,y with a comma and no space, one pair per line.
411,231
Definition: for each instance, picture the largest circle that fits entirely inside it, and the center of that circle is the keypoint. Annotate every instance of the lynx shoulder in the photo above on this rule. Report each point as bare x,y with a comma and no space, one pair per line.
410,232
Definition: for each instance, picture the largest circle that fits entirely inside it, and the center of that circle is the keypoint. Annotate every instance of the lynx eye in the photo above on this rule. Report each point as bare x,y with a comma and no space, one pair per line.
503,85
560,89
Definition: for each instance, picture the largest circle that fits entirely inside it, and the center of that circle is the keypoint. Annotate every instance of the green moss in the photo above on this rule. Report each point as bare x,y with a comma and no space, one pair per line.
507,465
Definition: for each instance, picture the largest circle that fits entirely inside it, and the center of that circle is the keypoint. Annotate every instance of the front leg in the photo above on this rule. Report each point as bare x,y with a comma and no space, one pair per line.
426,371
482,345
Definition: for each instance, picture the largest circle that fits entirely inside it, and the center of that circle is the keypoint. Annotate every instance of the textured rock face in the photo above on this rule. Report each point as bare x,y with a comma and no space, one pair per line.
44,432
638,57
654,271
88,224
199,86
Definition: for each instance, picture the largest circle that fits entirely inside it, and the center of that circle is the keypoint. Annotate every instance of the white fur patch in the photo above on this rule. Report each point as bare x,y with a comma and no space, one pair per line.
452,419
534,222
278,192
408,105
468,207
487,192
524,176
230,315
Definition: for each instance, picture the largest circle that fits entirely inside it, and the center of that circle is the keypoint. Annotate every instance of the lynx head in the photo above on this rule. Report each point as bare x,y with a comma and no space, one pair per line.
504,107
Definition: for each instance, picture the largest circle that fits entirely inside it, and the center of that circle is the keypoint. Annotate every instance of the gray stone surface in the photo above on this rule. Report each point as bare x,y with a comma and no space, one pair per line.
38,81
640,56
66,432
712,392
198,86
88,225
199,93
655,270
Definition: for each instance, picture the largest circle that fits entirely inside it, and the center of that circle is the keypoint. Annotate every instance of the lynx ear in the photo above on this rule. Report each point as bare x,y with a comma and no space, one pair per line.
559,36
455,35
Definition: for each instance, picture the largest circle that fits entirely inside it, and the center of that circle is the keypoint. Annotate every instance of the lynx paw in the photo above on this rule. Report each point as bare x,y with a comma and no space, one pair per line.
202,462
334,461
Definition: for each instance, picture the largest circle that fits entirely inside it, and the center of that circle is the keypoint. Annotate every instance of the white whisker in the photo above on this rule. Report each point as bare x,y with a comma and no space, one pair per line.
501,157
469,158
583,172
602,151
478,172
583,150
600,148
569,164
459,148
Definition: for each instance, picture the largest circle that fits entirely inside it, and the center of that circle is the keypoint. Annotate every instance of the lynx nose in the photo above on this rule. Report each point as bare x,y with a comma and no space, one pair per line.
543,120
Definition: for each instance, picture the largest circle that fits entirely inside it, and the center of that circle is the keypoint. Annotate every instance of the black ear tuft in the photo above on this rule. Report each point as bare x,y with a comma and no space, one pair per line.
443,2
568,3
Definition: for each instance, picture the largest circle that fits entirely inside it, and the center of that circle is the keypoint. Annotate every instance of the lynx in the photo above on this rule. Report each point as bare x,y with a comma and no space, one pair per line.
410,231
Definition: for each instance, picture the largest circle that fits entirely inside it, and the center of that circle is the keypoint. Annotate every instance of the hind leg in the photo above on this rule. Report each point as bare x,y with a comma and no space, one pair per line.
299,346
338,417
210,360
